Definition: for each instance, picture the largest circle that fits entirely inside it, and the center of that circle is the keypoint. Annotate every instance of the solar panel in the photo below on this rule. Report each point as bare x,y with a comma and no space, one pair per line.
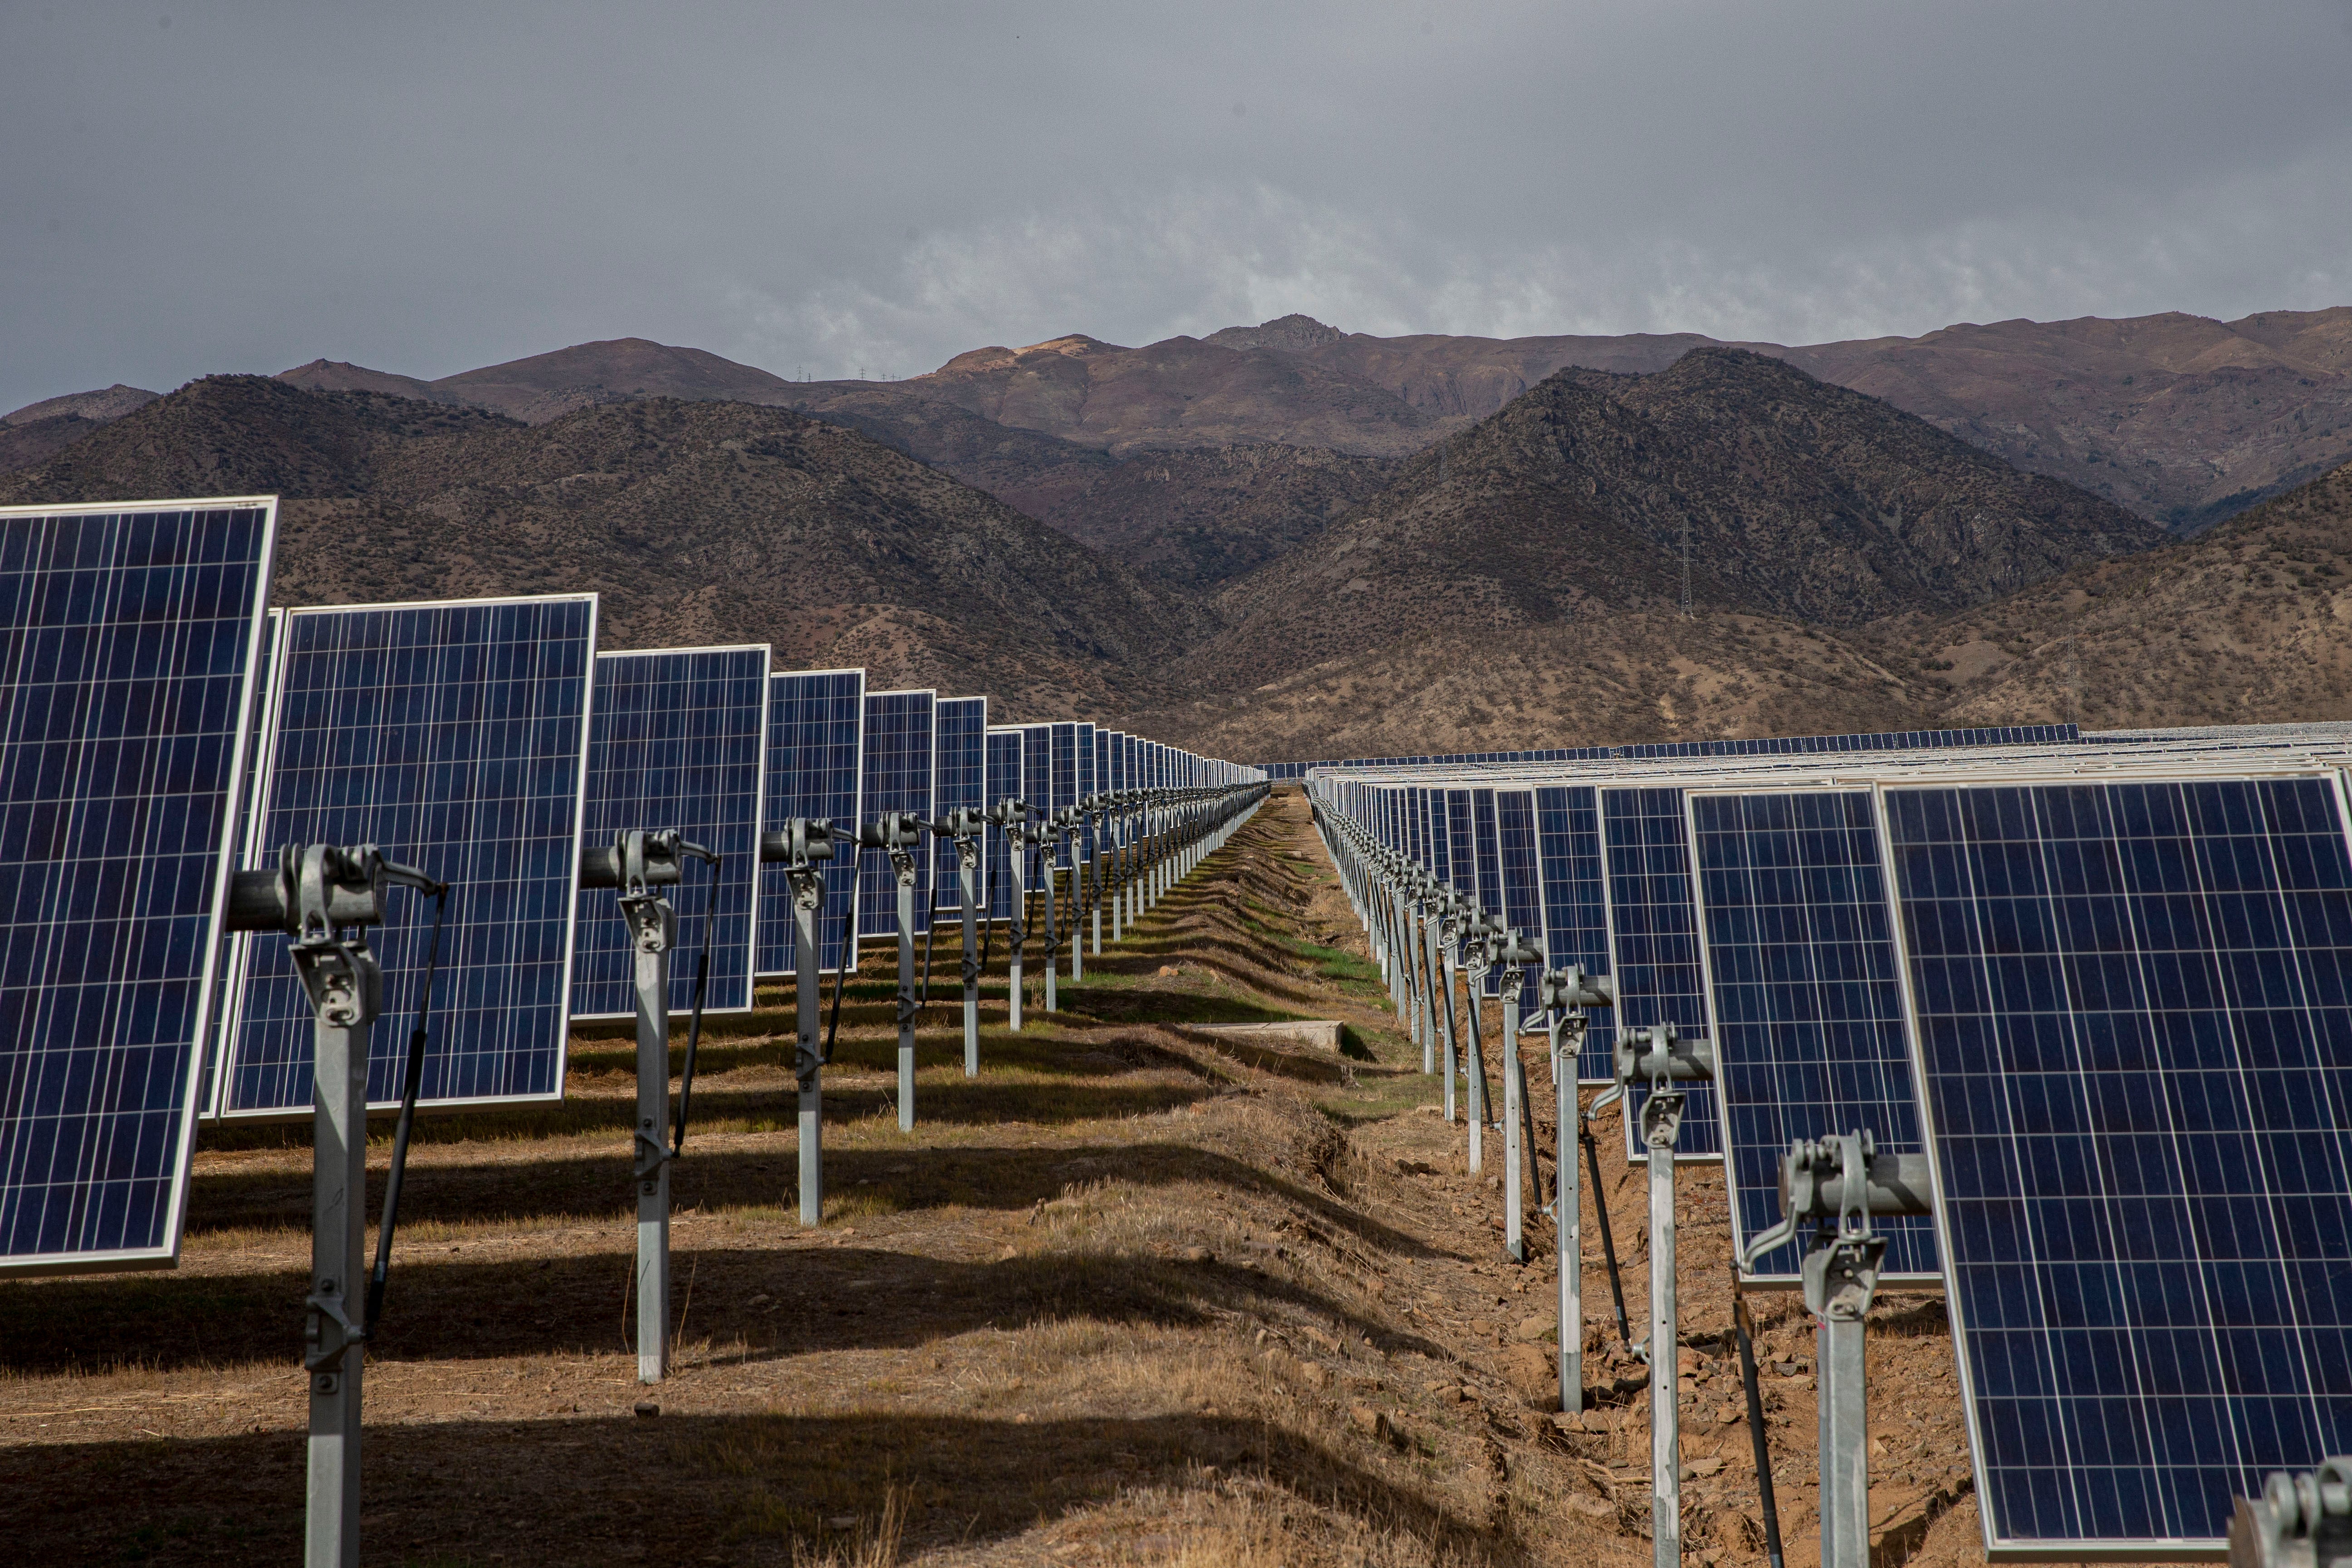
1086,840
1576,903
1809,1025
898,777
2134,1004
1653,949
816,720
960,781
1486,863
1004,749
1065,790
453,736
1515,837
676,741
232,944
129,638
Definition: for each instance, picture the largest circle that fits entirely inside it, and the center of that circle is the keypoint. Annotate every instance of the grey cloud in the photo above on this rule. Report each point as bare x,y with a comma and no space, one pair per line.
429,188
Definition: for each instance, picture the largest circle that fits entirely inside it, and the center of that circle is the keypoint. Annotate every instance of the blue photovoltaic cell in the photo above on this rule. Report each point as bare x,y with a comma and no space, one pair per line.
1576,906
816,758
130,642
1004,749
454,737
960,770
1441,861
898,778
1514,834
1037,765
1115,753
1085,783
1808,996
1462,860
1488,862
2135,1030
676,741
1065,779
1654,948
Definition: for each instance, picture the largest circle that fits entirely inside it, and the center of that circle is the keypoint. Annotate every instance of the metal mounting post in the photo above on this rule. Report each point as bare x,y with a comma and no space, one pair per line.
804,846
964,826
1519,1154
1565,994
1090,811
2302,1519
1660,1057
1449,936
317,891
1844,1179
1049,854
638,862
1477,961
1012,819
895,834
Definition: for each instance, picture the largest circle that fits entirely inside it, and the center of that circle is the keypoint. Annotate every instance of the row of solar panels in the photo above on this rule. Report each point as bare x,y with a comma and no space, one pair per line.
156,724
2110,992
1763,746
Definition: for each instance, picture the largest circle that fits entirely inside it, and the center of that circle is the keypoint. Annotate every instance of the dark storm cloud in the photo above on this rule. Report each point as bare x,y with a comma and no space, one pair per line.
425,189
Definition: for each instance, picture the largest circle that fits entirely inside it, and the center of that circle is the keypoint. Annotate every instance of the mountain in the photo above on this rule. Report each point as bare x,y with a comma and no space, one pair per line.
2244,625
1799,500
546,387
1182,391
38,431
701,523
2178,417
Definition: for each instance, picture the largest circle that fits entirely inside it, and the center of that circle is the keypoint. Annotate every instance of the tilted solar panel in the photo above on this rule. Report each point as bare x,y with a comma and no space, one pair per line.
453,736
1485,858
1086,840
1576,904
2134,1004
232,944
1514,834
1004,749
816,721
1065,793
1654,948
130,640
1809,1028
960,767
676,741
898,777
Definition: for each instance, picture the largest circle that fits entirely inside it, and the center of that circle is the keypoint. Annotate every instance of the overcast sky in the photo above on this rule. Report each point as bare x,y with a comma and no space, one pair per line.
821,189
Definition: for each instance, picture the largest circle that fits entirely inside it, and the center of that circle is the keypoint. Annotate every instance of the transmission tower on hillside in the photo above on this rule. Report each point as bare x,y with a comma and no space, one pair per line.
1686,613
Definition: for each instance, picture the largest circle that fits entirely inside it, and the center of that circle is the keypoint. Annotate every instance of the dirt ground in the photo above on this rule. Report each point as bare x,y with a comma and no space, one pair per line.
1131,1296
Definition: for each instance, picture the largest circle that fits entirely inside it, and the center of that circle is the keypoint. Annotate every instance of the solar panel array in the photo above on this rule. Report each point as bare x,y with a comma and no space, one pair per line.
677,741
2105,981
453,736
1005,748
131,639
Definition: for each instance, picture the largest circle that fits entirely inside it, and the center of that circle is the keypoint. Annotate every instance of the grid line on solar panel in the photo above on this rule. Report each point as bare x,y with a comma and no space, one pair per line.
676,742
1083,841
1653,949
129,641
453,735
817,725
1800,966
2134,1009
898,777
